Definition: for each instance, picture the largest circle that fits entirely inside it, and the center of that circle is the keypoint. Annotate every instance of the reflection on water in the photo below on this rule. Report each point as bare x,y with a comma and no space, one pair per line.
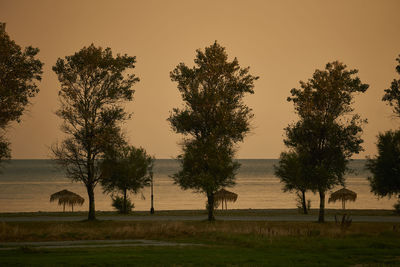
26,185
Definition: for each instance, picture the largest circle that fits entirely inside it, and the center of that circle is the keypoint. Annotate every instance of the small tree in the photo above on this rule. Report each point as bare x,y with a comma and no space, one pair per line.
326,135
126,170
292,174
92,89
213,119
19,72
385,167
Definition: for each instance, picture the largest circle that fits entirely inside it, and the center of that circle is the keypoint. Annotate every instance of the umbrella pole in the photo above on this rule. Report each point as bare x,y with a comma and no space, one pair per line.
64,207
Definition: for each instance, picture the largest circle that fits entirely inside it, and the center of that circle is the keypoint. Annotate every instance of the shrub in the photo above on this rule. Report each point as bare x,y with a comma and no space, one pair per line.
397,207
118,204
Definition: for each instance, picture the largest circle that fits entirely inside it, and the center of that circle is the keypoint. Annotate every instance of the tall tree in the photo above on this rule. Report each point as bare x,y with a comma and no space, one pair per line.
213,119
328,132
385,167
124,170
19,72
292,173
93,87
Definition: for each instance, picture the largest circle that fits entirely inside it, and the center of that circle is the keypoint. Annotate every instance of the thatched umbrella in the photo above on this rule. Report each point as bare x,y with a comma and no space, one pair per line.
67,197
223,195
343,195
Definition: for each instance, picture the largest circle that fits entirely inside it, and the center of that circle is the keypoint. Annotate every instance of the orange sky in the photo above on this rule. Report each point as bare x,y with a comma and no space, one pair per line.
282,41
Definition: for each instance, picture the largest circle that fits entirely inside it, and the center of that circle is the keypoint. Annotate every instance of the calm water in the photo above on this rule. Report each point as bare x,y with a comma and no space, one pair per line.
26,185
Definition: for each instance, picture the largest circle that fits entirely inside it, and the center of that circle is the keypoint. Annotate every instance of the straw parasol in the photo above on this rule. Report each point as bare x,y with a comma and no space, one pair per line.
344,195
67,197
223,195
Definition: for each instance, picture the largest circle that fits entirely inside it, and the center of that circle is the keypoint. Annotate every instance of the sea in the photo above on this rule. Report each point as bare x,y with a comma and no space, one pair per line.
26,186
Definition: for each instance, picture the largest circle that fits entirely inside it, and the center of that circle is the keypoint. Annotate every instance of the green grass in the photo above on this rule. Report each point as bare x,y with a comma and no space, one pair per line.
223,243
231,250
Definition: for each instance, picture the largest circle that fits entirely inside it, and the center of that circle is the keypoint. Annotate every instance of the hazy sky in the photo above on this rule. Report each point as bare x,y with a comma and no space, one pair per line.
282,41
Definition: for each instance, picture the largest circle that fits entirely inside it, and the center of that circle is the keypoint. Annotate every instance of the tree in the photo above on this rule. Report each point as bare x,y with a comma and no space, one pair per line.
93,87
392,94
292,174
385,167
328,133
213,119
127,169
19,72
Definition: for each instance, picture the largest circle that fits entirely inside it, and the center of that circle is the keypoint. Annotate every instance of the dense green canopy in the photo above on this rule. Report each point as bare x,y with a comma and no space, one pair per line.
94,84
19,72
328,131
213,119
385,166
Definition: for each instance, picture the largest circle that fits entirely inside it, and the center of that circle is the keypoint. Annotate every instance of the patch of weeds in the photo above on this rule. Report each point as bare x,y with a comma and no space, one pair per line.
313,232
379,245
28,249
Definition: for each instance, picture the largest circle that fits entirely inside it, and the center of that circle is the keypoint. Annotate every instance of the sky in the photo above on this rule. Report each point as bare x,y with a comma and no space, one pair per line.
282,41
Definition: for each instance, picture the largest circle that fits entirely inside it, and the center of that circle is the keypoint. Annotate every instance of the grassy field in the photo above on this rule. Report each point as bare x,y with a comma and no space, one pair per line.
223,243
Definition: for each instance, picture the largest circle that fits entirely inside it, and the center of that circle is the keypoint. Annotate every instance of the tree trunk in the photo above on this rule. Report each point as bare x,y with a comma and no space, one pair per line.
92,212
321,217
124,209
210,199
303,200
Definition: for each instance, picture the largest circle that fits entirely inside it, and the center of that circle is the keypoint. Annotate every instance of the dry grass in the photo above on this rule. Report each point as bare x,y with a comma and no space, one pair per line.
51,231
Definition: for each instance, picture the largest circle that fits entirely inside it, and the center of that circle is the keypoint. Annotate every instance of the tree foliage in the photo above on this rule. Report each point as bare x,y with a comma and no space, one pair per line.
292,173
385,167
93,87
328,132
20,71
128,169
392,94
213,119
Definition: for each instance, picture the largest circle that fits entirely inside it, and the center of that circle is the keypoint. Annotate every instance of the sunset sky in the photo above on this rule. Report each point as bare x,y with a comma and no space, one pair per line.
283,42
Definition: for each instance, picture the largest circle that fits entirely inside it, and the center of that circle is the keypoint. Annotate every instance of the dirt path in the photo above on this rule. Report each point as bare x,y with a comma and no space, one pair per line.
278,218
88,244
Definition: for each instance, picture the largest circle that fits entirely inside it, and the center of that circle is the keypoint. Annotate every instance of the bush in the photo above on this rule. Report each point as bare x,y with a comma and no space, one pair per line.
397,207
118,204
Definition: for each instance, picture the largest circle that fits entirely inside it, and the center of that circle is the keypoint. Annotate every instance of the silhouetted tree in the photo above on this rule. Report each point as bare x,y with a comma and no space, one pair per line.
92,89
392,94
385,167
293,175
213,119
126,170
328,132
19,72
